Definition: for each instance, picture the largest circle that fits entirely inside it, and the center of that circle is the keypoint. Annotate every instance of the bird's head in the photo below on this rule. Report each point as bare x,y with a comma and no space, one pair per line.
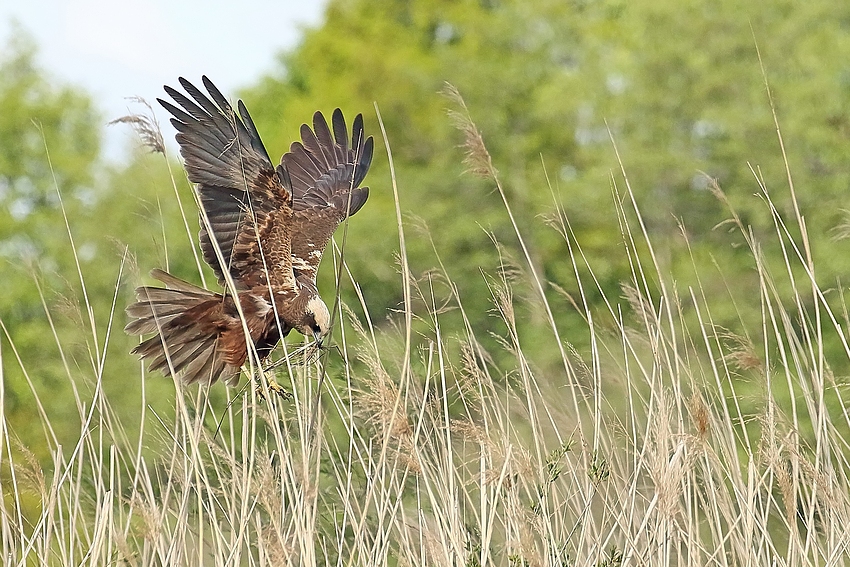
317,319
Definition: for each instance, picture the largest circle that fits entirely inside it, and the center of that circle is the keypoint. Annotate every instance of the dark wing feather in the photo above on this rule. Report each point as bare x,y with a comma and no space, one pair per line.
326,171
248,203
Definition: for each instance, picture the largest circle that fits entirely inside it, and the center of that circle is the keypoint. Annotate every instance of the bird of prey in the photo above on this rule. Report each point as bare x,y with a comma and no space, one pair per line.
263,232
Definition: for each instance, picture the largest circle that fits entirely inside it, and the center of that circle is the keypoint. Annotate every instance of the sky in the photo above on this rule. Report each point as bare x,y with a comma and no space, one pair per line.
116,49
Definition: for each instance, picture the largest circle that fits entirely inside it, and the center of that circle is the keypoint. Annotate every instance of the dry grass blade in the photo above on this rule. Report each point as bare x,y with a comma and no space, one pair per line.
145,125
477,159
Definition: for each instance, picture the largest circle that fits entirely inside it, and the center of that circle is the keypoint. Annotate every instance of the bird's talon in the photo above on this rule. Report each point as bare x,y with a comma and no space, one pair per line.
273,387
279,390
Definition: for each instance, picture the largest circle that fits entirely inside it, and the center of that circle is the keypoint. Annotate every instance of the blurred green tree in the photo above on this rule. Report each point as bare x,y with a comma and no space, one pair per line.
49,144
50,170
677,84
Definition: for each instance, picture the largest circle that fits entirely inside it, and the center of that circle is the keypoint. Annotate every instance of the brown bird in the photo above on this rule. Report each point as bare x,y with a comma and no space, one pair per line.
265,231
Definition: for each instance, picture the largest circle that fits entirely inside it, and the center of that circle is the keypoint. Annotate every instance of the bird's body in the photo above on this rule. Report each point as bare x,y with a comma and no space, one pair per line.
263,231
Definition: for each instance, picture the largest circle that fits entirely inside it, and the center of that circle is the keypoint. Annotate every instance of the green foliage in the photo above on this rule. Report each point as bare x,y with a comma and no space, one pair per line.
49,171
38,116
614,558
49,143
599,469
554,466
678,84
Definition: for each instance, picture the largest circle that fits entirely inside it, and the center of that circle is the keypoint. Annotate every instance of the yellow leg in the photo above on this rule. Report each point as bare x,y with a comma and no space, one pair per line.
278,389
273,387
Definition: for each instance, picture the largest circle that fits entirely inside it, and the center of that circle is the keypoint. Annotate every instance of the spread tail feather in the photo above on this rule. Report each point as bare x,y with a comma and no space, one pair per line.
188,321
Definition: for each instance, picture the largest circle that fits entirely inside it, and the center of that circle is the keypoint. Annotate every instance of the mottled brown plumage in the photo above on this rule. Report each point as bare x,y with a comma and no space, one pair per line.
265,230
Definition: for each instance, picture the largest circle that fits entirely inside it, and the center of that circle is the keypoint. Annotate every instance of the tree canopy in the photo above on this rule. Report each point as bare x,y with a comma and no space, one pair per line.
677,86
56,317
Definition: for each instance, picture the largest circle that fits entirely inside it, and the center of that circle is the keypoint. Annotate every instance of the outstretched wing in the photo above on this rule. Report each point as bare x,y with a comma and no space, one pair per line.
326,171
247,201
